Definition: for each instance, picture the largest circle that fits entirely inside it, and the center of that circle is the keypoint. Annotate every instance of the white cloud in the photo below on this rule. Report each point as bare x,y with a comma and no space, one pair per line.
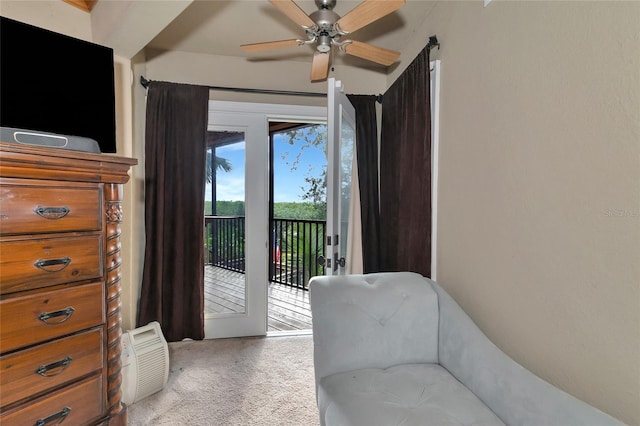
230,188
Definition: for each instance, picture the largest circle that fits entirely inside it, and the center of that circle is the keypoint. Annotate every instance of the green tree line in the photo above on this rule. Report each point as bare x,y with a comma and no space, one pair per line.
290,210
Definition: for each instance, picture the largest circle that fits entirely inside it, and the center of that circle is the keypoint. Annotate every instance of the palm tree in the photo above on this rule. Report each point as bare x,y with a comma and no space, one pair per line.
220,163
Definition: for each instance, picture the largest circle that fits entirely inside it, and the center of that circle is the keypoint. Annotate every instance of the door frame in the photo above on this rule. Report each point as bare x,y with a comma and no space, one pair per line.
254,119
435,144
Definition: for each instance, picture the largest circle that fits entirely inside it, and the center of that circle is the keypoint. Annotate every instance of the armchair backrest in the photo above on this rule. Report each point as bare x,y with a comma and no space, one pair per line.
372,321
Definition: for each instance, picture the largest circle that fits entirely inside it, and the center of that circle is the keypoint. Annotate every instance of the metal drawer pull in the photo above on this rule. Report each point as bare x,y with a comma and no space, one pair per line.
52,213
65,313
57,416
59,264
59,366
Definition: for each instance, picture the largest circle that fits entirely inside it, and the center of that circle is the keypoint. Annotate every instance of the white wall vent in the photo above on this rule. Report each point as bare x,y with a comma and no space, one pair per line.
145,362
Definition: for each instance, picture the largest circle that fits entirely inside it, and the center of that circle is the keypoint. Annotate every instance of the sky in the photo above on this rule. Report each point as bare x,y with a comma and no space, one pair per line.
287,182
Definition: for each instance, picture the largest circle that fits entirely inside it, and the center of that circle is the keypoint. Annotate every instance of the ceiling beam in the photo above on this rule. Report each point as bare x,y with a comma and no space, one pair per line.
85,5
127,26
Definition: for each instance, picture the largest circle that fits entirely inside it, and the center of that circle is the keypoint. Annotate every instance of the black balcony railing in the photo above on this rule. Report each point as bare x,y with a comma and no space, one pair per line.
296,245
224,242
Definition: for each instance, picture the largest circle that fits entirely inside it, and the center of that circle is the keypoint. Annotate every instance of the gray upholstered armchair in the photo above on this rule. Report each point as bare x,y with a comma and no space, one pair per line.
396,349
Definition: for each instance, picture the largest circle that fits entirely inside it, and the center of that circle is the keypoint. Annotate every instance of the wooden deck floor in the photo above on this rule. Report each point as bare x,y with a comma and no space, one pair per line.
288,307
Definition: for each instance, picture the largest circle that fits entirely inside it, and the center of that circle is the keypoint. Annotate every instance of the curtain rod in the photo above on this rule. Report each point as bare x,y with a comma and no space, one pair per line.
145,83
433,42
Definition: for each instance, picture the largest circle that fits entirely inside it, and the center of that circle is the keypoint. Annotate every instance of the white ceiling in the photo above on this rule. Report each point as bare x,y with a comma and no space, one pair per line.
219,27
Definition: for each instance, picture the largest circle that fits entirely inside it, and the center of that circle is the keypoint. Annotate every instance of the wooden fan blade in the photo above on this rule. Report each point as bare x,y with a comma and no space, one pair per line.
268,45
320,66
367,12
293,12
371,53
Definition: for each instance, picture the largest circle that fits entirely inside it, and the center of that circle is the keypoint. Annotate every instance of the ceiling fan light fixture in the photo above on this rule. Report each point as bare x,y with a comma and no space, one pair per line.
323,47
324,43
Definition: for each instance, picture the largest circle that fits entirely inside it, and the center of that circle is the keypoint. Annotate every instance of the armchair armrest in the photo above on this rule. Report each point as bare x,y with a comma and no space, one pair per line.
372,321
515,394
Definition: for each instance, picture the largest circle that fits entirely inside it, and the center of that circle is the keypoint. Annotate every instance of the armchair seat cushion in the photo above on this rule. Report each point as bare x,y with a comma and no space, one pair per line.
403,395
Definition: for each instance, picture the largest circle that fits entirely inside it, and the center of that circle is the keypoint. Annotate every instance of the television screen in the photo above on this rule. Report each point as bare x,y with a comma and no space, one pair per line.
54,83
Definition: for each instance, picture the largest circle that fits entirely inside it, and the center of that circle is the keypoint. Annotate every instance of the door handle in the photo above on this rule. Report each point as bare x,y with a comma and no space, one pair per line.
323,261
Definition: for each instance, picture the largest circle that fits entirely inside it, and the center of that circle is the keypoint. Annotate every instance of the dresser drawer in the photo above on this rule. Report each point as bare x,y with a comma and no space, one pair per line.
34,209
77,404
29,319
49,365
34,263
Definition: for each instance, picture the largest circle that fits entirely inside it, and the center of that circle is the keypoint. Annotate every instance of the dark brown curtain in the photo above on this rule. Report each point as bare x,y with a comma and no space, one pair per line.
405,171
367,153
175,158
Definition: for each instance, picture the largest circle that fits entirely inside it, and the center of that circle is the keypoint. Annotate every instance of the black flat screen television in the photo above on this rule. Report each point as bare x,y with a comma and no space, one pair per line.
54,83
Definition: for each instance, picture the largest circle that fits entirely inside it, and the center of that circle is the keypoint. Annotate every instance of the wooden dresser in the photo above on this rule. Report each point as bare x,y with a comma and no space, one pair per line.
60,217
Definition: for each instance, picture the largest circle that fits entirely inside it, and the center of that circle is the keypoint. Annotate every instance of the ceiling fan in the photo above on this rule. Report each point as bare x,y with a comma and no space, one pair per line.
325,28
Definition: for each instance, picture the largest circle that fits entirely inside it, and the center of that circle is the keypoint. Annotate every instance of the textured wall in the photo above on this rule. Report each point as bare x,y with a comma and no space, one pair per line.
539,205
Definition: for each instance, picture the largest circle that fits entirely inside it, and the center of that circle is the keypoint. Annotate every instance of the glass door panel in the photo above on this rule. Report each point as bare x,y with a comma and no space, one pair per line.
341,139
347,146
225,284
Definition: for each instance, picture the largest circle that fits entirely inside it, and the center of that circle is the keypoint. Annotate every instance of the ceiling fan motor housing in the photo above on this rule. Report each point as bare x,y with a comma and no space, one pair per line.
325,33
324,19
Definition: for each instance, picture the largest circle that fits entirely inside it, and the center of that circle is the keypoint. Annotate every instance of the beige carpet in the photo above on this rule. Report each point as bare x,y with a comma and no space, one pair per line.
244,381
